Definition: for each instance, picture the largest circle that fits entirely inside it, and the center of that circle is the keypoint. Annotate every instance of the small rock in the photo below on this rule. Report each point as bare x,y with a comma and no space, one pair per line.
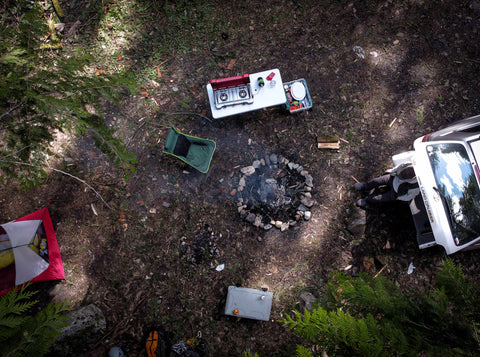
274,159
278,224
306,301
250,218
241,182
307,215
262,161
309,180
301,209
357,226
166,204
256,164
267,226
248,170
233,192
307,202
284,226
304,173
258,221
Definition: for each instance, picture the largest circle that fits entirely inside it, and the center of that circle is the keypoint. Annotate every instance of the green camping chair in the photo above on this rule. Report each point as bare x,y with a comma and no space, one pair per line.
196,152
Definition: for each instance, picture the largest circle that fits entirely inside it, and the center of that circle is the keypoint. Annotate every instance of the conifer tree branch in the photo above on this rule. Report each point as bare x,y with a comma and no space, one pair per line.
59,171
11,109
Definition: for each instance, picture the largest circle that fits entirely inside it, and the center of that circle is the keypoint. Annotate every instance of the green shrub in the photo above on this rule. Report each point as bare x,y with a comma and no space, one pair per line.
371,316
24,334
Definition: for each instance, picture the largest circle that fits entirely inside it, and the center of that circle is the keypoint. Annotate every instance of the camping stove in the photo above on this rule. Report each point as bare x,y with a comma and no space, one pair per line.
232,91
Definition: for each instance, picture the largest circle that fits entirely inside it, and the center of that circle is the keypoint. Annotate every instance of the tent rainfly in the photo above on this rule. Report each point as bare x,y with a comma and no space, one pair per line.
29,251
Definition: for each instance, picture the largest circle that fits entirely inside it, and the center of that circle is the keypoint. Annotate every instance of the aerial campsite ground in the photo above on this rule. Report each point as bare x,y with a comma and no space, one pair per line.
145,249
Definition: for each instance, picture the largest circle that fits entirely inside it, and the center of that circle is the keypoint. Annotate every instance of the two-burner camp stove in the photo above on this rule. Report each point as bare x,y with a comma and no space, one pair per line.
249,92
232,91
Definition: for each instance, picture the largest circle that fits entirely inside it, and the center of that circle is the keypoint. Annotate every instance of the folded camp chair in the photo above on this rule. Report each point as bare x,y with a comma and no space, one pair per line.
196,152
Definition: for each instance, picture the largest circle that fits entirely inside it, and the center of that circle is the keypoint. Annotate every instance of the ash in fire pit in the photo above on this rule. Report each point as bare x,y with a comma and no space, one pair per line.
274,192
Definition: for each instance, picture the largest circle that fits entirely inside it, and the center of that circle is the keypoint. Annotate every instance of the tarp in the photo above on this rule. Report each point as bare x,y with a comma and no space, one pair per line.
29,251
195,151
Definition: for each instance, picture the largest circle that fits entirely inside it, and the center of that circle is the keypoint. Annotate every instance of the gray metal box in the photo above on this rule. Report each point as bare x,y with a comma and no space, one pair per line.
248,303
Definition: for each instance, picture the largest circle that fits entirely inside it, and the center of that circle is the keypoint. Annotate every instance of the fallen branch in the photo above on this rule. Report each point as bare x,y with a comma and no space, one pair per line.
59,171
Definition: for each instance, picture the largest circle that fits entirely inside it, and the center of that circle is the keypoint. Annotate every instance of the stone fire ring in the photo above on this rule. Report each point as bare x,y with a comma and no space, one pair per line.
274,192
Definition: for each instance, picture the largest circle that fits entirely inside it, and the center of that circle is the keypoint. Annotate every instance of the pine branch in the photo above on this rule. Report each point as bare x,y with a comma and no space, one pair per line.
11,109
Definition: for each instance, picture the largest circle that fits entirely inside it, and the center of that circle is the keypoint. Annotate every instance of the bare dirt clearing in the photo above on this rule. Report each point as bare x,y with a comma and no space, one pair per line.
419,70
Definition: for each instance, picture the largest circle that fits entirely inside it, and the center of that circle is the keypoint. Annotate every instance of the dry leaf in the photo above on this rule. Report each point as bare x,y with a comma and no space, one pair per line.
143,93
159,73
231,63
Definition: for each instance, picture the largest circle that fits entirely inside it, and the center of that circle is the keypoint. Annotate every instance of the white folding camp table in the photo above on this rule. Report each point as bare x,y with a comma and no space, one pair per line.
270,94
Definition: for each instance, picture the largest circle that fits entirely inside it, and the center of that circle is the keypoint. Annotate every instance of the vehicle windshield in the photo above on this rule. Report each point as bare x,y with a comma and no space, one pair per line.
457,184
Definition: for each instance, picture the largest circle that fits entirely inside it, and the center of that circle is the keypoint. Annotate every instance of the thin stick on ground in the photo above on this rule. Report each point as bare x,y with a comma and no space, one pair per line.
59,171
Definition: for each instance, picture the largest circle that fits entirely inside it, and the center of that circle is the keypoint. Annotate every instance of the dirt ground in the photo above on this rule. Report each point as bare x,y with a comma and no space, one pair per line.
416,69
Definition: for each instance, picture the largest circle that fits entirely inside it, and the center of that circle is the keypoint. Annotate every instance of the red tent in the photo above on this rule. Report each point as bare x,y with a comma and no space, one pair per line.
29,251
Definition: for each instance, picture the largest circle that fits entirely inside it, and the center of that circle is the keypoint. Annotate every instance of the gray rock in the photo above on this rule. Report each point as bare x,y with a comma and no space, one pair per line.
357,226
306,301
307,215
302,208
307,202
250,218
85,326
241,182
274,158
267,226
248,170
258,221
267,160
256,164
309,180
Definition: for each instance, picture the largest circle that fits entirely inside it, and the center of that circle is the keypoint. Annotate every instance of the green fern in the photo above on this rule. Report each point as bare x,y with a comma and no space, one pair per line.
23,334
368,316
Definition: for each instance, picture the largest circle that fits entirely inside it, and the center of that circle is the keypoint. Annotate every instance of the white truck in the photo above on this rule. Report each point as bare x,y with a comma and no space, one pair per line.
447,210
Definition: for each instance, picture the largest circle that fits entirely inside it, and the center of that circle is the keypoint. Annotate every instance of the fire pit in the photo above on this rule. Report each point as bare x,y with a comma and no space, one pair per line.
274,192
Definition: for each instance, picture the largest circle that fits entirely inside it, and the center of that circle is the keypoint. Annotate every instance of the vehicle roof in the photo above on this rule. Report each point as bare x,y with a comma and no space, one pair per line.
463,130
